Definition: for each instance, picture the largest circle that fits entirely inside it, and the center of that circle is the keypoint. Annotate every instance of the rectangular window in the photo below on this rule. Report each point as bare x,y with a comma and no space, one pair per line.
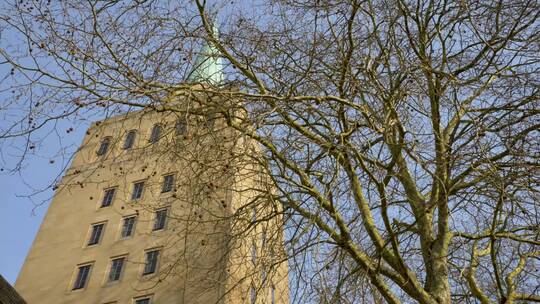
264,275
160,220
130,139
150,265
253,254
263,239
108,197
138,188
253,214
168,183
180,127
95,235
142,301
82,277
209,121
116,269
128,226
156,133
104,146
253,295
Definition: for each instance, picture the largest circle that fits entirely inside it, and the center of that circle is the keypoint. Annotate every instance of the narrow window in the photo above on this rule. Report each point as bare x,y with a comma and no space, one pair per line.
253,254
264,275
150,265
127,226
116,269
253,214
95,235
142,301
160,220
108,197
253,295
180,127
168,183
156,133
138,188
209,121
104,146
82,277
130,139
263,239
273,294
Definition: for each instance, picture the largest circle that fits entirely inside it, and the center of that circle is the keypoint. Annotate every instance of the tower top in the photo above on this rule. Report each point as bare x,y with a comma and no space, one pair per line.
208,66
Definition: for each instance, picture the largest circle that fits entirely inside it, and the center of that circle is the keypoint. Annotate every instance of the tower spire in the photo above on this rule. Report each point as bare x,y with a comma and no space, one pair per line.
208,66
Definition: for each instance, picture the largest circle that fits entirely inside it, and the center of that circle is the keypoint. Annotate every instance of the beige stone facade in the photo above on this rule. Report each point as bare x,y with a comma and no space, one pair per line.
213,247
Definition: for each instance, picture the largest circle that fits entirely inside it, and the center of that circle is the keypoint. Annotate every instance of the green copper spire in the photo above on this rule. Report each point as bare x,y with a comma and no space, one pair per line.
208,65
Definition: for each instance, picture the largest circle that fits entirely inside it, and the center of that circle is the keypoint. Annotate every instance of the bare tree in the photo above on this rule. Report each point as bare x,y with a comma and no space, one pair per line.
400,137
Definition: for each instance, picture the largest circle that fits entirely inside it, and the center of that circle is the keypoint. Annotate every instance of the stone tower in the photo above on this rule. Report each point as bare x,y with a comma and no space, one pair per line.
162,205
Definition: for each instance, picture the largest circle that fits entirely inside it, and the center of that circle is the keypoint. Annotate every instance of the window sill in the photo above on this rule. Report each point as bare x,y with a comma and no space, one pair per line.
111,283
90,247
77,290
149,276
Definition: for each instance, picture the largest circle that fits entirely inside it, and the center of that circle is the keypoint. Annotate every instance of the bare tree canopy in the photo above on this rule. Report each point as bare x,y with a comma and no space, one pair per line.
401,137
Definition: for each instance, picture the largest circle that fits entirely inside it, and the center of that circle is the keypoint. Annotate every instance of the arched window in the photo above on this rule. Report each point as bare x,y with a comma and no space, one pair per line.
156,133
130,139
105,143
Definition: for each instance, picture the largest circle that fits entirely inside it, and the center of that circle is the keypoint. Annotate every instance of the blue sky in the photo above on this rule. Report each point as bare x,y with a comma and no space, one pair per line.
20,215
18,225
25,193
